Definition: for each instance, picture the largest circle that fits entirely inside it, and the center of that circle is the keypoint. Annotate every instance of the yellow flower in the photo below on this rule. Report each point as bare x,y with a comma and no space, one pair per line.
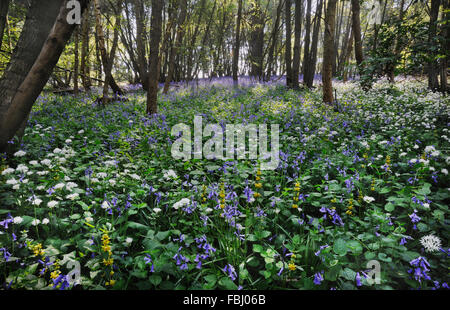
258,185
291,266
256,195
112,282
294,206
55,274
108,262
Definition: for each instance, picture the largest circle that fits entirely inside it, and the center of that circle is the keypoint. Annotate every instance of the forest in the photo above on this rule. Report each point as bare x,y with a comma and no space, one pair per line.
224,144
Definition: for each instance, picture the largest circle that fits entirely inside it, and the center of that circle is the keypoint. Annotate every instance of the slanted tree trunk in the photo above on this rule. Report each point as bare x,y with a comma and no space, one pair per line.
297,35
109,79
237,42
328,52
155,38
4,6
433,67
84,64
35,79
287,55
38,23
175,49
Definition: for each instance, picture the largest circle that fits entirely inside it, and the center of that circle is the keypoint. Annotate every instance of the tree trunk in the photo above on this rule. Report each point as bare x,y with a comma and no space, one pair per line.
38,24
102,49
155,38
84,66
288,57
356,27
297,35
191,50
347,57
328,53
177,46
4,6
309,78
76,63
306,56
445,45
237,42
111,57
256,41
30,88
341,60
433,68
273,41
142,62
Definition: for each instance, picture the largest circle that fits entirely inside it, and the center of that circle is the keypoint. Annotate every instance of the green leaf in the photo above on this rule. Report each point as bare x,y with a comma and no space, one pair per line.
257,248
211,278
355,247
332,273
161,235
155,280
340,247
369,255
389,207
227,284
348,274
385,190
135,225
384,257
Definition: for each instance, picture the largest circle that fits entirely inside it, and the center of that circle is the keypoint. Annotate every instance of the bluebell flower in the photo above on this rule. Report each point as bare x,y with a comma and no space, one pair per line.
358,279
318,278
231,271
6,254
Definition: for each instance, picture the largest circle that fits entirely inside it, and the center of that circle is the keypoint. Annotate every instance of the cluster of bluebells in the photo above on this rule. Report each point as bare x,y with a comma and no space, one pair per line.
332,213
203,244
414,219
420,268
